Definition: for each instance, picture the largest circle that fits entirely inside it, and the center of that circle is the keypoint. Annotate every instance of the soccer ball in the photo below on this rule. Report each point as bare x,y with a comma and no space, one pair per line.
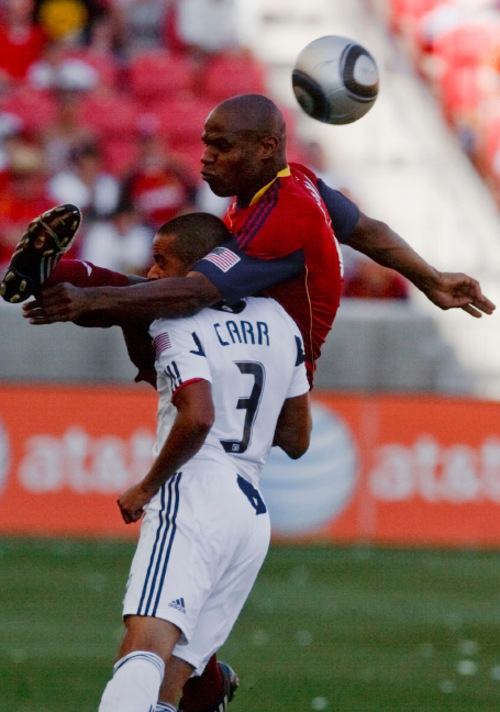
335,80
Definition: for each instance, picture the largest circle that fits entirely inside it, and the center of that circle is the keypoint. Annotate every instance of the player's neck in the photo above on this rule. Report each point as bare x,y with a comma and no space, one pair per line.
250,196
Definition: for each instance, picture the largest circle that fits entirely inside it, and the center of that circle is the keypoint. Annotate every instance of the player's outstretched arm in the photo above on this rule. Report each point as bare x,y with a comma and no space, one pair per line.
447,290
145,301
293,429
195,417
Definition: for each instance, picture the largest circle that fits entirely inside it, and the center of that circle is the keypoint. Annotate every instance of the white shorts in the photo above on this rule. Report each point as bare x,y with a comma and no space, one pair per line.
203,540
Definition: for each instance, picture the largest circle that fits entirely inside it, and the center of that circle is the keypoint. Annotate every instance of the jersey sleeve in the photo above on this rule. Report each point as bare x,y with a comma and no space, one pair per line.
299,383
343,213
179,352
237,274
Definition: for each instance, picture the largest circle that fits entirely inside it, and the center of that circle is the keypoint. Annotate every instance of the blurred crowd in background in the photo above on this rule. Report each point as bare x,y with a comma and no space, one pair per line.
102,104
455,46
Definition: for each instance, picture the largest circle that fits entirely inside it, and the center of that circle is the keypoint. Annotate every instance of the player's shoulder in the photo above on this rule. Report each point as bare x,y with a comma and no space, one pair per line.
304,191
301,171
303,177
176,327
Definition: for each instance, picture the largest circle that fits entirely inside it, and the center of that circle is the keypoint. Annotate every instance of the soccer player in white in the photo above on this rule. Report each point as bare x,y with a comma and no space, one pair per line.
231,383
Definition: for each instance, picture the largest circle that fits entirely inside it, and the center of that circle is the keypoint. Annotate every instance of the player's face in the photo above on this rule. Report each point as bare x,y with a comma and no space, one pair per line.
165,262
232,159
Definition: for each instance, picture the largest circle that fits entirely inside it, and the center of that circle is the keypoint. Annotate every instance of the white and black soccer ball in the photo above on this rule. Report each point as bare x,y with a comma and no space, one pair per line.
335,80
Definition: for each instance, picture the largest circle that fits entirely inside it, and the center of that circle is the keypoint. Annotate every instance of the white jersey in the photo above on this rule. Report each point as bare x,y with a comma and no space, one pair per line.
252,355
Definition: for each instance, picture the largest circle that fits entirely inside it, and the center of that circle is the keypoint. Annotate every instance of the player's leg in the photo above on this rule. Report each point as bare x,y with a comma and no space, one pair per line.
161,584
85,274
213,689
176,677
177,672
153,608
223,606
139,670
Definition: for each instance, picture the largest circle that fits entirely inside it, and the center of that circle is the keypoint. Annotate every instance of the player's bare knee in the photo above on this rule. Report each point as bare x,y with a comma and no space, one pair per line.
149,633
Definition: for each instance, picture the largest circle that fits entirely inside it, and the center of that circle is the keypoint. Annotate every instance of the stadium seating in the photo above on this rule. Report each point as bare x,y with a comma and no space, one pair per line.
456,47
181,119
35,109
228,75
154,75
111,113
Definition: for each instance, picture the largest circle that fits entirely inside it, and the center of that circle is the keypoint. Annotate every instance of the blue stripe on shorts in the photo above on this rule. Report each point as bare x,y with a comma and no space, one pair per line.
165,533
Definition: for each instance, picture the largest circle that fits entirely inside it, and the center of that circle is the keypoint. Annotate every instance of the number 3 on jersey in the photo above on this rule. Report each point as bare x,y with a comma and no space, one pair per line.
250,404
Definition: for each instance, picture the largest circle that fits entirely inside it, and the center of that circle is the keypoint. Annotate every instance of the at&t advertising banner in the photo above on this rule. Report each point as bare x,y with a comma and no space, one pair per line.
392,470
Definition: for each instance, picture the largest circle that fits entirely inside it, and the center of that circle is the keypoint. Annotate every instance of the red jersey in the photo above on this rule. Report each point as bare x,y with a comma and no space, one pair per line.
286,220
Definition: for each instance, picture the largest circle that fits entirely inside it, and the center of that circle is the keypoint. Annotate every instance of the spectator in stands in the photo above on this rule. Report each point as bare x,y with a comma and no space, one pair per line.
22,195
67,132
144,23
69,22
57,71
162,186
122,243
21,42
86,184
107,36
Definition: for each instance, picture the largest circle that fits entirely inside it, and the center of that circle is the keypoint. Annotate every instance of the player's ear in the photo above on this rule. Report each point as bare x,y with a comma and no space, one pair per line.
269,146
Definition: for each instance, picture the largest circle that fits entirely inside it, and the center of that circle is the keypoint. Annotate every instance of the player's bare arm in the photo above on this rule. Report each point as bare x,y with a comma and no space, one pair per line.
152,299
194,419
447,290
293,429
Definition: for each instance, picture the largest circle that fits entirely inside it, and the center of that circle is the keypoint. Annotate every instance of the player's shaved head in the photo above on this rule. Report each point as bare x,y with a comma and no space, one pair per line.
196,235
252,113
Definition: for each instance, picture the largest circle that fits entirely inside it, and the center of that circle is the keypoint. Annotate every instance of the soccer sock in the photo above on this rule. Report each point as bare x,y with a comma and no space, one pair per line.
85,274
135,684
165,707
200,693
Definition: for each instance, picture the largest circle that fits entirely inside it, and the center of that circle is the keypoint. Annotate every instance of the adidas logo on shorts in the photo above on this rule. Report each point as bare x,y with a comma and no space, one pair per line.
178,604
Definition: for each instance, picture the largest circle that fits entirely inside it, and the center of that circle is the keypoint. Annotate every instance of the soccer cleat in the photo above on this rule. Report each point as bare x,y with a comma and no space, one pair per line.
41,247
231,684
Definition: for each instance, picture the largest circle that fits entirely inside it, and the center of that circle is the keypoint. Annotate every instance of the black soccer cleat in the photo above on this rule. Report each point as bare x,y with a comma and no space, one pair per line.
231,684
41,247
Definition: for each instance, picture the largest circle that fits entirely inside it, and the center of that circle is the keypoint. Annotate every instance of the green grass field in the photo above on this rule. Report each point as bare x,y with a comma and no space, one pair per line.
334,629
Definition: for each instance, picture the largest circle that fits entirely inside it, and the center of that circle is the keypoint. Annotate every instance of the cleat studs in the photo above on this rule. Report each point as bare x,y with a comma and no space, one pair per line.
23,285
15,298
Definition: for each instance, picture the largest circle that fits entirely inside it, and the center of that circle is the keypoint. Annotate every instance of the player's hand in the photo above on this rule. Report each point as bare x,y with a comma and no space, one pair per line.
132,503
456,290
62,302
